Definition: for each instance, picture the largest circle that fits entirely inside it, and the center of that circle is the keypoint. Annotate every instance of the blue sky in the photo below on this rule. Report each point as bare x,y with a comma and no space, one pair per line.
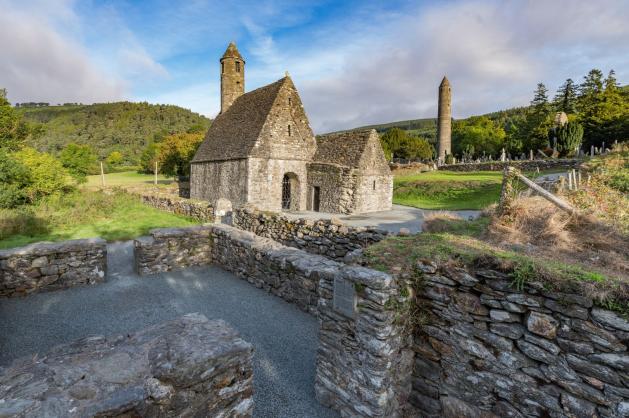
354,62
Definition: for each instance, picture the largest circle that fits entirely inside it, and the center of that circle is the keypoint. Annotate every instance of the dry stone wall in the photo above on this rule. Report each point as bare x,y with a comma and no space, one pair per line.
195,209
489,350
185,367
325,237
524,165
168,249
52,266
361,355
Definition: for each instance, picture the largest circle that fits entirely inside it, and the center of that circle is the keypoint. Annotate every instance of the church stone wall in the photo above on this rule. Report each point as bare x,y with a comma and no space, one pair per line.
373,193
211,181
265,183
336,187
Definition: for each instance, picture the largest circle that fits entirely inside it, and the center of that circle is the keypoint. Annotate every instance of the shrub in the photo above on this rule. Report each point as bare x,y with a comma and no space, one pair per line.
79,160
114,159
14,177
46,174
569,137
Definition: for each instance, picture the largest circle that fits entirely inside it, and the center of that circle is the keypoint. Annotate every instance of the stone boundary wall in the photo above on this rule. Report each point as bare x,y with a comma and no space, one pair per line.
489,350
168,249
195,209
361,357
49,266
524,165
186,367
325,237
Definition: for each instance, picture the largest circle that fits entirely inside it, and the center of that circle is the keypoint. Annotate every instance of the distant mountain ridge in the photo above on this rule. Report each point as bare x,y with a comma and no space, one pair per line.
126,127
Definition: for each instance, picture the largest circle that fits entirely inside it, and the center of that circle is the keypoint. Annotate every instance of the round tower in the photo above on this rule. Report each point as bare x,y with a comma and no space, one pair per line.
232,76
444,120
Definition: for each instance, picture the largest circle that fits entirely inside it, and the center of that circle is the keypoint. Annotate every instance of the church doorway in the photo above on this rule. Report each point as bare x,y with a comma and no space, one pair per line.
290,192
316,198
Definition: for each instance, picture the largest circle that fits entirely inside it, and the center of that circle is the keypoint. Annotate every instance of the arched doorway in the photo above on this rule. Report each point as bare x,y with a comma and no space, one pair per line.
290,192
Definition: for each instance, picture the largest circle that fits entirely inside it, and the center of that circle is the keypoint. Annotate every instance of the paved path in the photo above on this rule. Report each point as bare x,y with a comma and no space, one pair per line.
390,220
284,338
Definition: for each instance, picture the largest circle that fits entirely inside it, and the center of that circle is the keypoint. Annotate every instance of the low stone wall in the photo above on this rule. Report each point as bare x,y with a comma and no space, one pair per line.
489,350
52,266
195,209
186,367
361,349
524,165
172,249
326,237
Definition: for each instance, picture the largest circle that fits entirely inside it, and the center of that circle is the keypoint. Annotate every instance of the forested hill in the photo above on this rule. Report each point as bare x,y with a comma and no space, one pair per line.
123,126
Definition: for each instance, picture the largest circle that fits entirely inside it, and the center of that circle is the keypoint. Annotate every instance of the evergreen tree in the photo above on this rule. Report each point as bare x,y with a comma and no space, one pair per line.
538,120
569,137
566,98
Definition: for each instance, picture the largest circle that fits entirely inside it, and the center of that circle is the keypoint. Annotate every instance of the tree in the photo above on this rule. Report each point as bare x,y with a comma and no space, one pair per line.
538,120
13,131
14,177
176,152
566,98
569,137
396,142
149,157
114,158
79,160
477,135
46,174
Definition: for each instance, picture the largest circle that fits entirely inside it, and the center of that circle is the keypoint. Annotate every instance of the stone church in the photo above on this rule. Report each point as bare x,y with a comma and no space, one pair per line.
260,150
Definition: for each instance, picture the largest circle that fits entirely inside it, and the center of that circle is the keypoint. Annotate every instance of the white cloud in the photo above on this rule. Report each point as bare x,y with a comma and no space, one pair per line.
37,63
493,53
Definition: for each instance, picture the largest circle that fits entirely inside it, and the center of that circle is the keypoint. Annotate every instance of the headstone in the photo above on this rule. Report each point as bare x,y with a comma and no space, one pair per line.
531,155
592,151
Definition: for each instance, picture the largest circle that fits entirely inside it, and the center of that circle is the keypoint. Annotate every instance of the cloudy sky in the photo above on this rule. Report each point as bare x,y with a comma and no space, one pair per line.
354,62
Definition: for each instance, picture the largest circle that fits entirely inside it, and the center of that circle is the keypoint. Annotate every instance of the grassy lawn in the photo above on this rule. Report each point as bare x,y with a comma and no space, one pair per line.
84,214
127,178
448,190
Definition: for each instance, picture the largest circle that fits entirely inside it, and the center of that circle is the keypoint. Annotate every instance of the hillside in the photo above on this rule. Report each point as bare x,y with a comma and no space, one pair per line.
123,126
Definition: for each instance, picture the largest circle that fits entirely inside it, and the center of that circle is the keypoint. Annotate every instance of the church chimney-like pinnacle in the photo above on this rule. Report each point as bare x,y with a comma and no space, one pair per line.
445,81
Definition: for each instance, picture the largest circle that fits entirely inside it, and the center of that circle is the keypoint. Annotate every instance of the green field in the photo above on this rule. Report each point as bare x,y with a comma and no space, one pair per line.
127,178
448,190
83,214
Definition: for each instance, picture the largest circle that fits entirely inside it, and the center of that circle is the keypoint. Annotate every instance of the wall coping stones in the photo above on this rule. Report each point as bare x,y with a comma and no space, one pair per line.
189,366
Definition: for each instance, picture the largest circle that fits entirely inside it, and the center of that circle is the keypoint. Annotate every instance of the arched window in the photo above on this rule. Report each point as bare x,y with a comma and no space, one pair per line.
237,66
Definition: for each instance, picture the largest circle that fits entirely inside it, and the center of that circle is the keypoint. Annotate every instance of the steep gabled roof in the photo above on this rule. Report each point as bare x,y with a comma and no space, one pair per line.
234,133
354,149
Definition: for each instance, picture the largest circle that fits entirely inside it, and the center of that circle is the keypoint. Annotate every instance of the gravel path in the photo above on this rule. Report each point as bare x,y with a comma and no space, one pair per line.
284,338
390,220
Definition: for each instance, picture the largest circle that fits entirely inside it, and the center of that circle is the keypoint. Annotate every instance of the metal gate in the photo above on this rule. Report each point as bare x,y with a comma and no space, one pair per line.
286,192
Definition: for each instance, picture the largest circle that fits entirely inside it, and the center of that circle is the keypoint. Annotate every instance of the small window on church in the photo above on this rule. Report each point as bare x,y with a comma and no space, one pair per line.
374,185
223,67
237,66
290,101
289,133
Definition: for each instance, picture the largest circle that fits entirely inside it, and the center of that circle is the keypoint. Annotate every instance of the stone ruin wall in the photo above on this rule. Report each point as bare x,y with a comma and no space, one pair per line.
186,367
524,165
213,180
336,187
52,266
361,355
168,249
488,350
325,237
195,209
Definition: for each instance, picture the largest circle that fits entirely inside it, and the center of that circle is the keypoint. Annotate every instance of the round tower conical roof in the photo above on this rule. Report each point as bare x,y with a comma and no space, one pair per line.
232,52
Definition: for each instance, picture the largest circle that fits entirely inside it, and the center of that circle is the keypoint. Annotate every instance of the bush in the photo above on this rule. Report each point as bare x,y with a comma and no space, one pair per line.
79,160
397,143
114,159
45,172
569,137
14,177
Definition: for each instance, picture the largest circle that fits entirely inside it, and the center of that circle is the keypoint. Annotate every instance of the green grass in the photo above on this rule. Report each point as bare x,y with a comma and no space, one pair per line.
83,214
448,190
127,178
